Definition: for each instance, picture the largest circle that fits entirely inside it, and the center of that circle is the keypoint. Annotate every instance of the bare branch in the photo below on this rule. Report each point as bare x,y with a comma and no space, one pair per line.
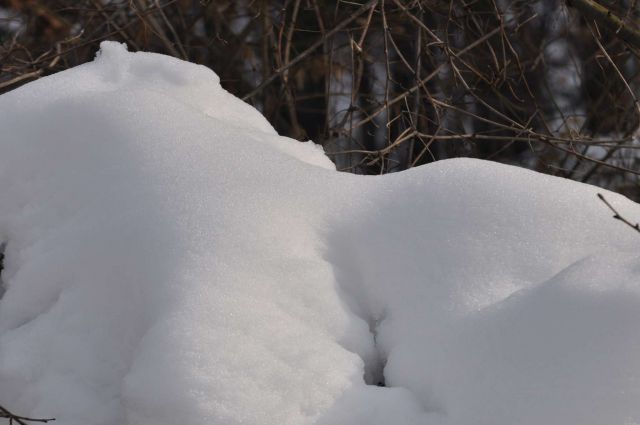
22,420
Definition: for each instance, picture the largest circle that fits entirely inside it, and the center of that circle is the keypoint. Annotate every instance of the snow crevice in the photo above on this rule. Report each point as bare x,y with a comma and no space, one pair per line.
3,247
374,368
355,293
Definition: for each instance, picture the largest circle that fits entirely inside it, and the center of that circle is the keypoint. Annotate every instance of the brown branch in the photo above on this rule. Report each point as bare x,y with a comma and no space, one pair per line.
34,74
593,11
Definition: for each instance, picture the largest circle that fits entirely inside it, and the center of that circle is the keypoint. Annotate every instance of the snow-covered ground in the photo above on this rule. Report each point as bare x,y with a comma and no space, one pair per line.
171,260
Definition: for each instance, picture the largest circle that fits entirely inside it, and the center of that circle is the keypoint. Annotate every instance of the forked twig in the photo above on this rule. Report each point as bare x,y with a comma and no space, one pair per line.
617,215
21,420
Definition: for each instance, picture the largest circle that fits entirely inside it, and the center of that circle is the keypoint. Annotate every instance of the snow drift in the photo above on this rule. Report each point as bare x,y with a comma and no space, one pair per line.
171,259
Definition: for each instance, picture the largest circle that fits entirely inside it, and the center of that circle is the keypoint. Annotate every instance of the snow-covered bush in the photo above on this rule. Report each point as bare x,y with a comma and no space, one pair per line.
171,259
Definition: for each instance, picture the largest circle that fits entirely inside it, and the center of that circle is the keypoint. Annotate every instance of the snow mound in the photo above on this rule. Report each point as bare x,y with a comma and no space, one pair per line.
170,259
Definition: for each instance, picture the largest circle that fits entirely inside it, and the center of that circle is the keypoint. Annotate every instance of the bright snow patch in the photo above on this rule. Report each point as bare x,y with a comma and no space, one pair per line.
171,260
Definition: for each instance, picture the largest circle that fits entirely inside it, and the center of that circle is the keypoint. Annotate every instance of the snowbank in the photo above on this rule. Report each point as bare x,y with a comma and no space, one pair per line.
171,259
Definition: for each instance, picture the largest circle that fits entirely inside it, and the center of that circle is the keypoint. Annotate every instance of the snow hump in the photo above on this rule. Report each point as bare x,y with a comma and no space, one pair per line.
170,259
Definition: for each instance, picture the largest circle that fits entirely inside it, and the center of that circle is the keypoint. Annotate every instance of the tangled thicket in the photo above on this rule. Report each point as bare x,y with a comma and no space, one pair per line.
386,85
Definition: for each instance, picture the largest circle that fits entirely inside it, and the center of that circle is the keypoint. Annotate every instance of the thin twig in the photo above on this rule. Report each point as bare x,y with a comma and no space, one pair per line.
617,215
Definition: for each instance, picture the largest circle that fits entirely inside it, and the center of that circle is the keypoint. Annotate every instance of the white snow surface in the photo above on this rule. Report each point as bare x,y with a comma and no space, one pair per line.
171,260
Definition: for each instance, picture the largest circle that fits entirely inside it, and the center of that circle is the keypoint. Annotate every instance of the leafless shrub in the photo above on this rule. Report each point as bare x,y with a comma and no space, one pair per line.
386,85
